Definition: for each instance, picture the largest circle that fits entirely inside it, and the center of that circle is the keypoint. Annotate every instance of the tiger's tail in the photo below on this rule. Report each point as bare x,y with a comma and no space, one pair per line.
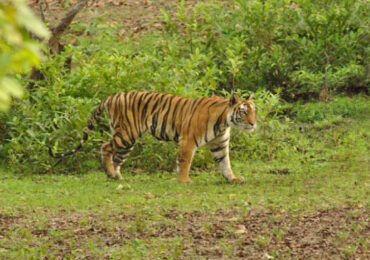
94,119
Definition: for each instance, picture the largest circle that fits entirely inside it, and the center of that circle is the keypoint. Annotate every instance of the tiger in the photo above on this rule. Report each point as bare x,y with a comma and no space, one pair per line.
191,122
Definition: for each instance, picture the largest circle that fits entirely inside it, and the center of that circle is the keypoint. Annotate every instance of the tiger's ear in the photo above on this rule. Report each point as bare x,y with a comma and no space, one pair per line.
234,99
250,96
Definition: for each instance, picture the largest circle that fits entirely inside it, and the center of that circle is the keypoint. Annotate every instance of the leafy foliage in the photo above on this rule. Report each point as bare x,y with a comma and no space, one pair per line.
274,48
284,44
339,108
18,52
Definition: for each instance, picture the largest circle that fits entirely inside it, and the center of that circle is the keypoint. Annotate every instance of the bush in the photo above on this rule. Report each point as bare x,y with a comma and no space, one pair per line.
298,46
57,119
275,48
337,109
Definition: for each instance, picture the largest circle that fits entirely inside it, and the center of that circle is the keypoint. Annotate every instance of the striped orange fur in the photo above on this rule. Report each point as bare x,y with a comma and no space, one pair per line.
192,122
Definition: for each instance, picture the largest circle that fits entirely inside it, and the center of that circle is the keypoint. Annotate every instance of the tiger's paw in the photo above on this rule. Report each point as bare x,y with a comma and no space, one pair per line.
114,176
239,179
186,181
118,177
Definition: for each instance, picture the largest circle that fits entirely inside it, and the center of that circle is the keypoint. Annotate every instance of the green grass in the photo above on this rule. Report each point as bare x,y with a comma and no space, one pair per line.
331,183
153,216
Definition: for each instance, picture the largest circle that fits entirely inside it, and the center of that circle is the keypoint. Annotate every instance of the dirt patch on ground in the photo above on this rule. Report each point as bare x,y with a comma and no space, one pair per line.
6,220
321,235
256,234
131,17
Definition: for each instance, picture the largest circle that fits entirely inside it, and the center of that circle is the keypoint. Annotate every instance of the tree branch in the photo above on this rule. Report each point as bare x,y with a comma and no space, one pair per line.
54,46
64,23
42,10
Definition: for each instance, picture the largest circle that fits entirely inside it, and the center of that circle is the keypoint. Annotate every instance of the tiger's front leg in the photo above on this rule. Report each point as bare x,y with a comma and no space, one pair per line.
220,153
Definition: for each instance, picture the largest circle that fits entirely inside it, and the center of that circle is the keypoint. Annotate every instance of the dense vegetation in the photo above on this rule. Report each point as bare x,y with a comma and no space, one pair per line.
277,49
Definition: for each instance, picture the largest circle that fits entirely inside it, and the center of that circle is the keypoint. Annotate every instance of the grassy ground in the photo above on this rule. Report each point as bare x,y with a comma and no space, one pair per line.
318,208
311,203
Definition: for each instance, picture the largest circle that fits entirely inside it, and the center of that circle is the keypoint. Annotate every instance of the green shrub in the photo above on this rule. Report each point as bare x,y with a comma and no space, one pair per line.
338,108
52,118
298,46
275,48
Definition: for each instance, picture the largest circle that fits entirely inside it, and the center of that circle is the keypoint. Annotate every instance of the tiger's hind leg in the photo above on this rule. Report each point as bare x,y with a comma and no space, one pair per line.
107,158
183,161
115,153
119,157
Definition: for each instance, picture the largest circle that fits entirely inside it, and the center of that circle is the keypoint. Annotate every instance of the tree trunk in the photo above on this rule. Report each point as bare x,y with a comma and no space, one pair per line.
54,46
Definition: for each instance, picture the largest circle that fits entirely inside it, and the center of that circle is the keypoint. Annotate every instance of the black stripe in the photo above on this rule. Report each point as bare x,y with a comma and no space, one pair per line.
116,101
222,132
163,96
174,112
143,113
155,112
219,159
217,149
114,116
176,138
196,105
223,141
123,141
110,101
193,104
214,103
138,105
133,112
206,134
154,124
155,105
233,116
216,127
182,114
66,154
164,134
195,140
77,148
119,160
193,109
116,160
123,152
100,107
128,130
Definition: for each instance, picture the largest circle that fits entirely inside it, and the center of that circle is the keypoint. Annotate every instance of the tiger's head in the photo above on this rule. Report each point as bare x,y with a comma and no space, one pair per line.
244,113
